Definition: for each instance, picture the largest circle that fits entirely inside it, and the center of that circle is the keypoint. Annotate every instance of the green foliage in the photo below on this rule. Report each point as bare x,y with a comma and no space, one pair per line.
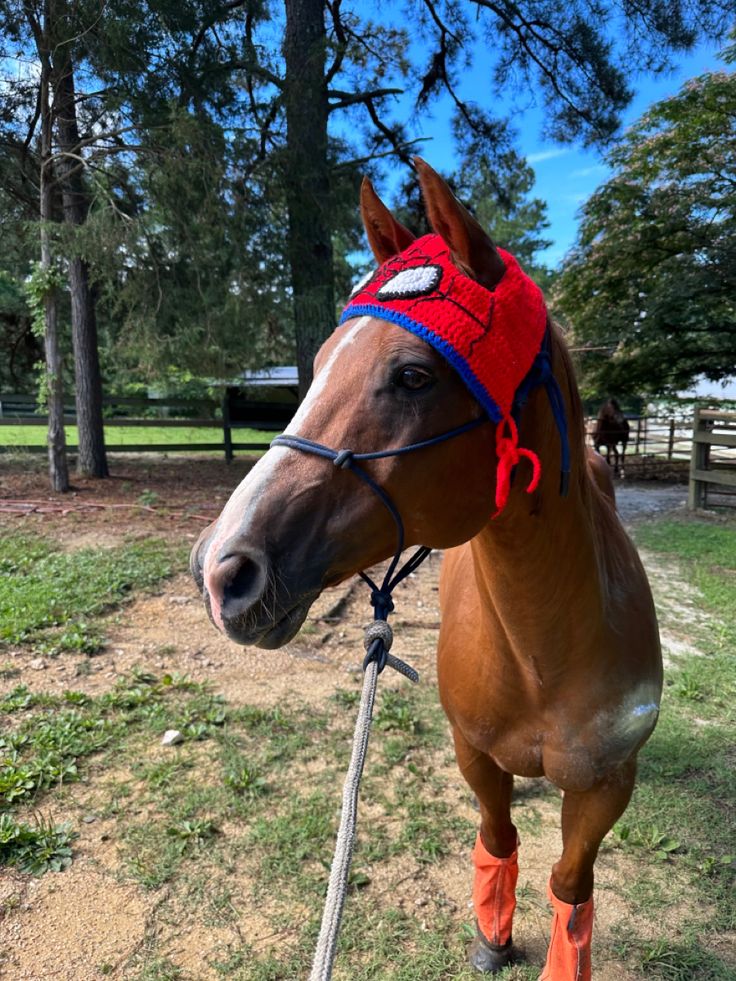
41,282
499,194
187,165
35,848
397,711
42,590
653,276
54,734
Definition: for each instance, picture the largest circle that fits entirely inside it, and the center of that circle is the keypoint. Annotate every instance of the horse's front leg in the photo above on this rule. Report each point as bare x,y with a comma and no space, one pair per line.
587,817
494,857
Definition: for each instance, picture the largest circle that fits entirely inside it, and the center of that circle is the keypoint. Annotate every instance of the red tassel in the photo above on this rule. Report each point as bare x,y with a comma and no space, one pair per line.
509,454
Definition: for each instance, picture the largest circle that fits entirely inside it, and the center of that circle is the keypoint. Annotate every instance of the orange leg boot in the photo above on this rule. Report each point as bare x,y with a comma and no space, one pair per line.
494,899
568,957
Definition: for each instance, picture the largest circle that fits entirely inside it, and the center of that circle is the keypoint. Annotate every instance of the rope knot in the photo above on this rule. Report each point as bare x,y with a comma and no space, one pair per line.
343,459
382,603
509,453
378,630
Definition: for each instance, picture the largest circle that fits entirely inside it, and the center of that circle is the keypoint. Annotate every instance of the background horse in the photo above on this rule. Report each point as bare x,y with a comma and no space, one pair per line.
612,428
548,660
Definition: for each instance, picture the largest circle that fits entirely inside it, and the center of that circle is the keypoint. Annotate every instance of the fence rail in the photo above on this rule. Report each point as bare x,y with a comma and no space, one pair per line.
655,441
713,472
234,412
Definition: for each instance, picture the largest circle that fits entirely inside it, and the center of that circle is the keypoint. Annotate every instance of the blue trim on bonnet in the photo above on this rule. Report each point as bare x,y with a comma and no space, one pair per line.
439,343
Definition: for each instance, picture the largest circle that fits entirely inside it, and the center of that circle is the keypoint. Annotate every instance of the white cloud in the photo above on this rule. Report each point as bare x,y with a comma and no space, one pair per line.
534,158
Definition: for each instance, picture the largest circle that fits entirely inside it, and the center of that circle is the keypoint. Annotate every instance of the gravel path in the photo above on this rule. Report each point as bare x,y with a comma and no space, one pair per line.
645,499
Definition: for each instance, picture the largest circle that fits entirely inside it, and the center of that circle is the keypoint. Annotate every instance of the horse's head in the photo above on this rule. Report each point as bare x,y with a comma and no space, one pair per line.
297,524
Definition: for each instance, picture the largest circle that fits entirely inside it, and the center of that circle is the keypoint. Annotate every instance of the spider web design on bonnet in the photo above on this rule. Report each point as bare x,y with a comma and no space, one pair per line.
439,292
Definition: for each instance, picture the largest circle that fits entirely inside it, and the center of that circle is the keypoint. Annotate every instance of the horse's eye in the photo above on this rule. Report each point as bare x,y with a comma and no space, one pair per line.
413,378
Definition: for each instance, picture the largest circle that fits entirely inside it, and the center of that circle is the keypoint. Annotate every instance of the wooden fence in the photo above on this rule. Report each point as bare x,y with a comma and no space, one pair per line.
713,459
659,445
234,412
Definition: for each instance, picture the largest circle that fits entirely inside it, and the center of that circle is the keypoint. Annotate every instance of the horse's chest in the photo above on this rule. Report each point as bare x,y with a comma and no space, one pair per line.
574,751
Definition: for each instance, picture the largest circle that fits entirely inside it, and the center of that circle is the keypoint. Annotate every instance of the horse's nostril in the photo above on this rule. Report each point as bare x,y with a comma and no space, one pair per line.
246,581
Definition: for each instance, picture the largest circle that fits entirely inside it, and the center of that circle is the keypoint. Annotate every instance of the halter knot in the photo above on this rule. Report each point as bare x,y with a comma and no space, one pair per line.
343,459
378,630
382,603
509,453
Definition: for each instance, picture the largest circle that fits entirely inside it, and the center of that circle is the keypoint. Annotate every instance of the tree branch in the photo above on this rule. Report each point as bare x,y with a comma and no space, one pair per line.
352,98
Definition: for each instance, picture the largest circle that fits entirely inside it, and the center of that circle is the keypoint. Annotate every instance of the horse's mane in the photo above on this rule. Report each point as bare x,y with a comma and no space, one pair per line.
600,508
576,422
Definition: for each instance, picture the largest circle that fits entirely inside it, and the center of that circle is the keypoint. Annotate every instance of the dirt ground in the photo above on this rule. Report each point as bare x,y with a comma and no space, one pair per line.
62,926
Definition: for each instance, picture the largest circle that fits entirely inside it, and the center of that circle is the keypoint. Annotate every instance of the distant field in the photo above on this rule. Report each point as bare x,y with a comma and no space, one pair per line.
131,435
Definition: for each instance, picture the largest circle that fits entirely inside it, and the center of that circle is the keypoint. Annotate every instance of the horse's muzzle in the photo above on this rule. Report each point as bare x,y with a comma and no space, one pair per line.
243,596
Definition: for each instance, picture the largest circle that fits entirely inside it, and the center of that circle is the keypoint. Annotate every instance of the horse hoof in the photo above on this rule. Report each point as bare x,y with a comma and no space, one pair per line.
489,958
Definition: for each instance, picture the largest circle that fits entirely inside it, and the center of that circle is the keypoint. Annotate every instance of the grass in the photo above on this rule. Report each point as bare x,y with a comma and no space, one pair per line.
239,820
50,599
53,735
684,808
132,435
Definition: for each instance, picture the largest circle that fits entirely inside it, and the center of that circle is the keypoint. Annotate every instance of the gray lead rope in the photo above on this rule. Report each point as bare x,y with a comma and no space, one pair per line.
378,631
378,640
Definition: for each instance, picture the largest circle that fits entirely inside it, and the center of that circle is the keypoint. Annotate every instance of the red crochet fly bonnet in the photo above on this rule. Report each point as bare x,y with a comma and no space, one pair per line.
491,338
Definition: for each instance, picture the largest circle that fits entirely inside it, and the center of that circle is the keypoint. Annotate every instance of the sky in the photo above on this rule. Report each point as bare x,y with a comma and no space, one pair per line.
565,175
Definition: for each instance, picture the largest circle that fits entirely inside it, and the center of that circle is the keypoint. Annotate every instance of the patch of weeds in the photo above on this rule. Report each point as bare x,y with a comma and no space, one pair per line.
528,818
160,969
162,773
150,855
191,833
21,698
36,849
397,711
396,749
688,685
56,732
244,779
686,960
345,699
43,752
46,595
148,497
9,670
649,837
296,841
430,829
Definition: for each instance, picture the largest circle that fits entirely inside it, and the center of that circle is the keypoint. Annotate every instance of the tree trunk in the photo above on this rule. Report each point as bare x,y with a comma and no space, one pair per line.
308,181
92,460
58,466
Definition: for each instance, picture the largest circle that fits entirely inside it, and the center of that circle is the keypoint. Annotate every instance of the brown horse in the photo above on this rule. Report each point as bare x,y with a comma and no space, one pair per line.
612,428
549,661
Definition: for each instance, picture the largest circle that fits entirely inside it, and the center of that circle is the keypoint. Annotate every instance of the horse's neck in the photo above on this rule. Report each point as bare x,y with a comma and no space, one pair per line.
537,562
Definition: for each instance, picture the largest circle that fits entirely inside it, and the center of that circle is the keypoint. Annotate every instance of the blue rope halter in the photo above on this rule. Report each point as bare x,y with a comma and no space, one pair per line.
381,599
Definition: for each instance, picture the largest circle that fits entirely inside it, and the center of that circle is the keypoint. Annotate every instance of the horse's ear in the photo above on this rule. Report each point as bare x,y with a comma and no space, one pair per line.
471,247
386,236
